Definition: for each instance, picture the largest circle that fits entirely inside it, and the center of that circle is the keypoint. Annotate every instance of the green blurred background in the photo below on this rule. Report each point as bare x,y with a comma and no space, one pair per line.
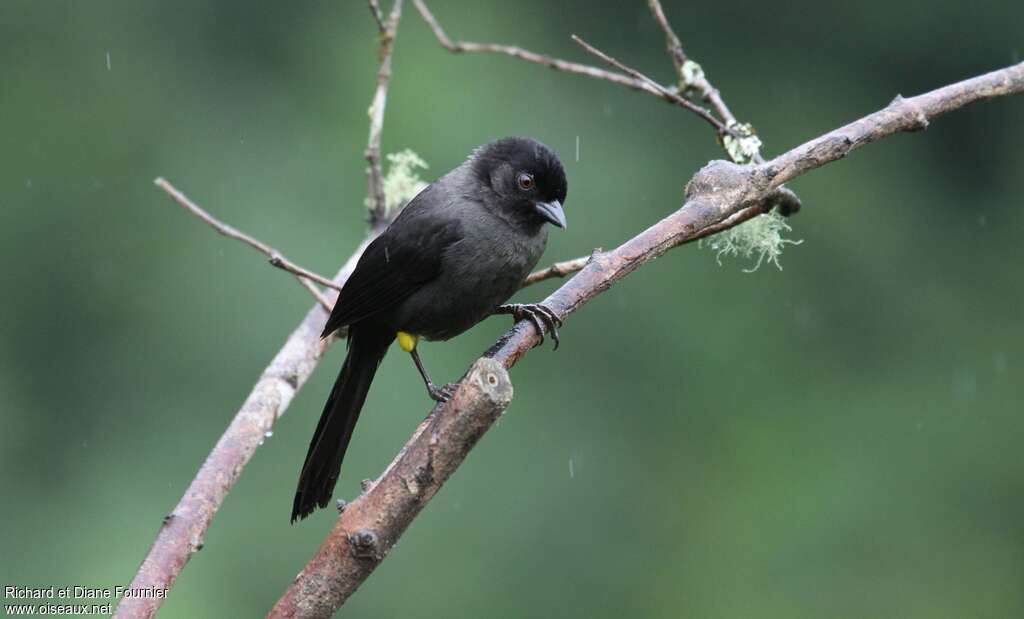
839,439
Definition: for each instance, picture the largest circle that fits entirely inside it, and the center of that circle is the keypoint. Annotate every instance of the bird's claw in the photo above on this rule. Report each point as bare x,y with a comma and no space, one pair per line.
442,394
543,318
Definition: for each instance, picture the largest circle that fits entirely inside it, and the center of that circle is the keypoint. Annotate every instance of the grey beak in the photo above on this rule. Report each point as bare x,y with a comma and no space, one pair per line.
552,212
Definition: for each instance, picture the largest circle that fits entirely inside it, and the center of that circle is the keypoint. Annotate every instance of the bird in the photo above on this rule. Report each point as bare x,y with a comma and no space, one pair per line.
451,257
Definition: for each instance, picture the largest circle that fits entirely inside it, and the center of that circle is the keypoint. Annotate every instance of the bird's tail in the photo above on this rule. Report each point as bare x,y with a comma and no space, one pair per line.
366,349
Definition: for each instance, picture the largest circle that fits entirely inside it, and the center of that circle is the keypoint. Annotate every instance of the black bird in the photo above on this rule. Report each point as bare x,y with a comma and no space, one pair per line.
458,250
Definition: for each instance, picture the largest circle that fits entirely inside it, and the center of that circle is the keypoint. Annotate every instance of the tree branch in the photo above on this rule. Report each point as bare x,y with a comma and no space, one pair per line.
692,78
558,269
701,84
378,16
720,195
662,92
183,530
370,525
522,54
276,258
374,175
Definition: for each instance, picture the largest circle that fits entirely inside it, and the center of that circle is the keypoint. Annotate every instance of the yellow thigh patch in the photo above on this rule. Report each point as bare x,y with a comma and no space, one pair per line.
407,341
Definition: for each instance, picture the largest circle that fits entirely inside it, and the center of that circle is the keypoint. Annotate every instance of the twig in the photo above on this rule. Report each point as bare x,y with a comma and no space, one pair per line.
378,16
720,194
522,54
183,530
788,202
675,51
558,269
913,114
275,257
663,92
371,524
374,175
672,44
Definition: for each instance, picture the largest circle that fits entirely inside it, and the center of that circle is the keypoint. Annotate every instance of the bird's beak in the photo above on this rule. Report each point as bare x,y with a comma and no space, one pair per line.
552,212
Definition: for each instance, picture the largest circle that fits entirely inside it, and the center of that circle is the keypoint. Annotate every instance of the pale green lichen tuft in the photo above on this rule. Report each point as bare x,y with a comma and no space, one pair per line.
761,237
745,147
692,75
402,182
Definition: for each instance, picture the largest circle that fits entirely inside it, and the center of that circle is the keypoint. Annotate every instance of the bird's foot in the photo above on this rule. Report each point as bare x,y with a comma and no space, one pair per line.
542,317
442,394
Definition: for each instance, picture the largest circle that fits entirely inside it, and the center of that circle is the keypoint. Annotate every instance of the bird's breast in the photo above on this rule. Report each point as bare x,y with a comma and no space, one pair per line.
478,273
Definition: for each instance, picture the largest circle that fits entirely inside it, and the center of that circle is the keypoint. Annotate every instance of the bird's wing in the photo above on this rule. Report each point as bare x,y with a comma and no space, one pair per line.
398,262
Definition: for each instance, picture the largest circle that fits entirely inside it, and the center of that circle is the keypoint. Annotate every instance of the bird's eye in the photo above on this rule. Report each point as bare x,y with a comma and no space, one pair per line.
525,181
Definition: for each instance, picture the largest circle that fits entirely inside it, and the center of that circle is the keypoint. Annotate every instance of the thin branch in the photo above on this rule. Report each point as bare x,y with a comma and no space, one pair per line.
788,202
558,269
275,257
672,44
370,525
285,265
183,530
675,51
517,52
720,195
663,92
374,175
378,16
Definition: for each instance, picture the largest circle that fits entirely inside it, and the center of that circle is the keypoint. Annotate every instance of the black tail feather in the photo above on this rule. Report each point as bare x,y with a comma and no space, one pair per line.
366,349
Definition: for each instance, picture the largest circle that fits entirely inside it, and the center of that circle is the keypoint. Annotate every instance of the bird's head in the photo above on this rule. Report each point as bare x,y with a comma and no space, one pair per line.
526,178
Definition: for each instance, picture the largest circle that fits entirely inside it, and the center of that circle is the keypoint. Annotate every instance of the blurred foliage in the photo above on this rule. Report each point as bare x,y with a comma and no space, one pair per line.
841,439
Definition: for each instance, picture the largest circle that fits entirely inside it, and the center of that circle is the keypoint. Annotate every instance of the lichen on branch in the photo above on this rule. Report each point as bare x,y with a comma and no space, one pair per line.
402,182
761,237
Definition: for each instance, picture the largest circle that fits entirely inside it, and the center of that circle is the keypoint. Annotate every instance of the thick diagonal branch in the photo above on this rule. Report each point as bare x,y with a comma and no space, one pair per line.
183,529
717,196
370,525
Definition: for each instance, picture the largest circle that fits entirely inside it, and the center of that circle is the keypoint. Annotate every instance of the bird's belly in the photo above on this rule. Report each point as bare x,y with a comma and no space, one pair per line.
467,292
444,311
